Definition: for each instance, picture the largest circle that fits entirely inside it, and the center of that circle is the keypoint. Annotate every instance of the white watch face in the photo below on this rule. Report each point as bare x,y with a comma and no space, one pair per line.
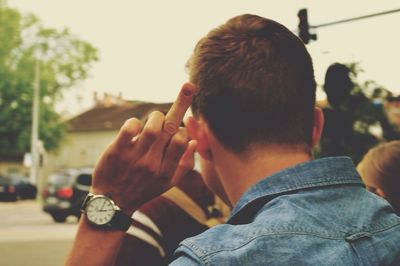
100,210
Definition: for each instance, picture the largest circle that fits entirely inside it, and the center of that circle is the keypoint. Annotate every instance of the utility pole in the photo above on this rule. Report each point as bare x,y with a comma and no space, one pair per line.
35,126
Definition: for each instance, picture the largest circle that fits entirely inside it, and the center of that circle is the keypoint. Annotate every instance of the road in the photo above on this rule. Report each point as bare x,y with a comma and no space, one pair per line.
28,236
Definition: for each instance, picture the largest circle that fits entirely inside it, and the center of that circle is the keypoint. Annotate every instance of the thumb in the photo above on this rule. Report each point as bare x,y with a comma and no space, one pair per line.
186,162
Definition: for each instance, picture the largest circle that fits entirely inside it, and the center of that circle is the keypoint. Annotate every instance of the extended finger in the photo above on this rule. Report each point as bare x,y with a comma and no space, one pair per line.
150,132
174,151
128,131
178,109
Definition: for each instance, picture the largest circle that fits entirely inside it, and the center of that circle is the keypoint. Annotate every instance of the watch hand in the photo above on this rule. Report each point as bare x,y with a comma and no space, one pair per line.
104,203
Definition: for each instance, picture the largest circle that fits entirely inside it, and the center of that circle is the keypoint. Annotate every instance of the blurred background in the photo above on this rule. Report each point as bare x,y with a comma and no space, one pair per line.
71,72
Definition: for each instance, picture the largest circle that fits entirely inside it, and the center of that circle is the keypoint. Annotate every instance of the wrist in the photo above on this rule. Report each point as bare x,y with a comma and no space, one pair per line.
119,200
102,212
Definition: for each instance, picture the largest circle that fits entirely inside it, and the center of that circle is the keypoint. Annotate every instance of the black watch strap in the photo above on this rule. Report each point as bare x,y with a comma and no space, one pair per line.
121,221
85,201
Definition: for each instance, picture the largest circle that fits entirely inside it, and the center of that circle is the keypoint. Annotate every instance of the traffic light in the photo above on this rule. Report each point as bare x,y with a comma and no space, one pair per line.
304,33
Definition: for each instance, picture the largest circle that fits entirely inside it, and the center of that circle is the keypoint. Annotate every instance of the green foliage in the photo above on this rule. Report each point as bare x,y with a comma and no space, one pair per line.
64,61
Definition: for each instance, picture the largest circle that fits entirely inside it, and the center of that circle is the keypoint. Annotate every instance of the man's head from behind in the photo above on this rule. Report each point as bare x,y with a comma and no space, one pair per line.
255,85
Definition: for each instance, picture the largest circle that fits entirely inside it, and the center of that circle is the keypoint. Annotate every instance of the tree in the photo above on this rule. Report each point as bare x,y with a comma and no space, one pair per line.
64,61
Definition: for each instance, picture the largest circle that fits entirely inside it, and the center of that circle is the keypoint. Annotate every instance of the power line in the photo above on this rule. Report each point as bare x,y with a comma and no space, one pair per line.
356,18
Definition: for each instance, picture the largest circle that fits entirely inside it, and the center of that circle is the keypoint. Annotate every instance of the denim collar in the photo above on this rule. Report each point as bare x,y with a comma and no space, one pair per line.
312,174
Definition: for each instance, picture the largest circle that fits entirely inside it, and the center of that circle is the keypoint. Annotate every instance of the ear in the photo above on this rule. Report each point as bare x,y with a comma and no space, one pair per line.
318,125
197,129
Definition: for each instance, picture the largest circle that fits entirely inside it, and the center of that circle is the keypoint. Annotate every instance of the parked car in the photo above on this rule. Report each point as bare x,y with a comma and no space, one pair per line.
24,188
65,193
8,191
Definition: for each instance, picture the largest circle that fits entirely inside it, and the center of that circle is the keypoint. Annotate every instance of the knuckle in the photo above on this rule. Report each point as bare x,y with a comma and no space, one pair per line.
129,123
119,160
186,166
113,156
129,126
147,168
133,120
151,134
170,127
183,100
156,113
179,141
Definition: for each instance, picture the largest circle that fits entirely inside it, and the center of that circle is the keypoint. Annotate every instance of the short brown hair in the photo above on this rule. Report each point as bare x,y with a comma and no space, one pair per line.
255,84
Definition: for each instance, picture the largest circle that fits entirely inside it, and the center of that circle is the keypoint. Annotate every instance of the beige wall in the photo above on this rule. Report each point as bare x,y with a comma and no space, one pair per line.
7,168
81,149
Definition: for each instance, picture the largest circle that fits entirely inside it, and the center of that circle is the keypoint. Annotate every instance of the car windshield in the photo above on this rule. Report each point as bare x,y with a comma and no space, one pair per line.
15,178
60,178
84,179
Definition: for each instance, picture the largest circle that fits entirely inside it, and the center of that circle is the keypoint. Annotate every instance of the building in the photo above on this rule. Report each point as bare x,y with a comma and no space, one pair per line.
12,164
90,132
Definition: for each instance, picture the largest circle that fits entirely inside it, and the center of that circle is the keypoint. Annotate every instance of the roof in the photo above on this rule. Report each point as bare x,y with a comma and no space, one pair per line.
101,118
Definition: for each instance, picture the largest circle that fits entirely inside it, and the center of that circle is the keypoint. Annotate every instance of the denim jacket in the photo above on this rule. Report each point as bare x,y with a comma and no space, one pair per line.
315,213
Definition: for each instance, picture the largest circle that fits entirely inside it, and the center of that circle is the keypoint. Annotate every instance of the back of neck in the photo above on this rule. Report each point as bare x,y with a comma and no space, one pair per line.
239,172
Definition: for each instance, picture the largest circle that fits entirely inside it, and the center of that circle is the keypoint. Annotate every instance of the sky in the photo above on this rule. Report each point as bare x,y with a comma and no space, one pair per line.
144,45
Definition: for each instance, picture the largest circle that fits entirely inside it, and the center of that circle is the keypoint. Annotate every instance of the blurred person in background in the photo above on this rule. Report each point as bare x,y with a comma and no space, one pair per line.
380,171
346,128
352,117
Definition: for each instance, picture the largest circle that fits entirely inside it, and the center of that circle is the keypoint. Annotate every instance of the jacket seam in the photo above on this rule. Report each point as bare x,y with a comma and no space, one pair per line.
290,189
206,254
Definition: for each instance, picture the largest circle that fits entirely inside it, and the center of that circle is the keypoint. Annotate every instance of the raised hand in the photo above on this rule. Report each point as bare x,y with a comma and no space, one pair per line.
143,162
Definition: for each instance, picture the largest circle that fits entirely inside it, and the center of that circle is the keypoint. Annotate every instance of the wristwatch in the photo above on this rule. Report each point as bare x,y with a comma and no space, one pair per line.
102,213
